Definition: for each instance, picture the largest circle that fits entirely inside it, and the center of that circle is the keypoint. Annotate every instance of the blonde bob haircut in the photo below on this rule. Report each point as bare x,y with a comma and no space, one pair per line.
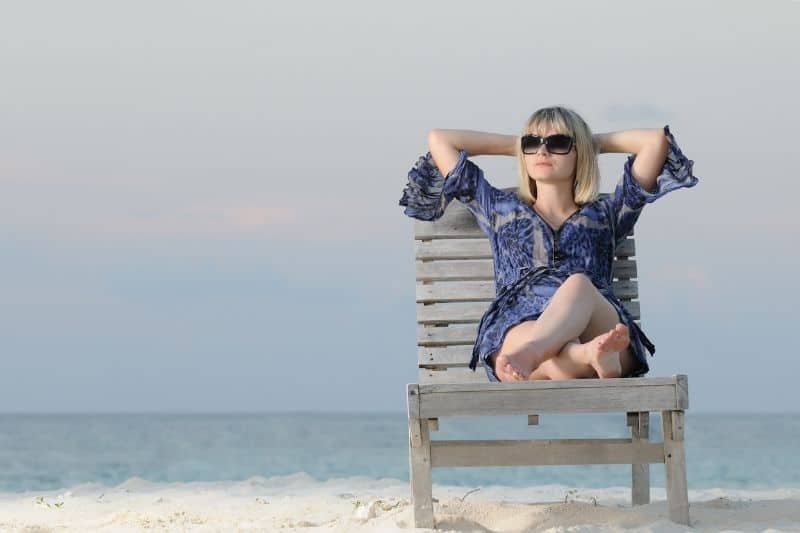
586,182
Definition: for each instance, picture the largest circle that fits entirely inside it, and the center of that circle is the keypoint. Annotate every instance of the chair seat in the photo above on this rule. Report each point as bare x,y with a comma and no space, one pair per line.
546,396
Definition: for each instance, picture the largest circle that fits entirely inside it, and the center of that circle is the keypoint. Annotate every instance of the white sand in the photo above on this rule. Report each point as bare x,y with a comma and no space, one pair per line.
299,503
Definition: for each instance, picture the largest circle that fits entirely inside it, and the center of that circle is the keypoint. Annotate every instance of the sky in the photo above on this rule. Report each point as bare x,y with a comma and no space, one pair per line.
199,200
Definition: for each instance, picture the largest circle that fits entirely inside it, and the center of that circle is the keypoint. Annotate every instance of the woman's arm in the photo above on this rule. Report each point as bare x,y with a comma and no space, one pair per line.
650,146
445,144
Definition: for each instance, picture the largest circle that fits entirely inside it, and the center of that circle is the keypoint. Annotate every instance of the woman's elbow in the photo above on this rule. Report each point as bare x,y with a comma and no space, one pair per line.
434,137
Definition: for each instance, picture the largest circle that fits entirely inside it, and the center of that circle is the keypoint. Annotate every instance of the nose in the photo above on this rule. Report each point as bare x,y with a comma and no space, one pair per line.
542,148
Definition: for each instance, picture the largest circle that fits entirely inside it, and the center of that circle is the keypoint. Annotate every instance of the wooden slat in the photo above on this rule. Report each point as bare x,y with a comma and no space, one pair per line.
483,269
624,269
475,269
419,458
594,395
454,334
640,473
428,376
465,291
456,222
454,249
683,391
626,248
466,312
568,384
456,291
633,308
674,466
450,453
451,312
481,249
437,356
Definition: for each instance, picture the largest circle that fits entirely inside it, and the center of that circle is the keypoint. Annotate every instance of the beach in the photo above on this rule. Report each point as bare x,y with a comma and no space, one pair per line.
349,472
300,503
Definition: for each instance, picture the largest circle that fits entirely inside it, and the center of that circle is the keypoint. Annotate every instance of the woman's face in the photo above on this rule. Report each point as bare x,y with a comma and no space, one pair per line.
548,167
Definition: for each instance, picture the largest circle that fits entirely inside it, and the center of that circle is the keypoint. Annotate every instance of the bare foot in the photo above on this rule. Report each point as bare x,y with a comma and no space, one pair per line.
514,367
602,352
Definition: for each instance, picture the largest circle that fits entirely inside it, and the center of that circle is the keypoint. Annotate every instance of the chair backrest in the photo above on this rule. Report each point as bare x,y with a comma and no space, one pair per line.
455,286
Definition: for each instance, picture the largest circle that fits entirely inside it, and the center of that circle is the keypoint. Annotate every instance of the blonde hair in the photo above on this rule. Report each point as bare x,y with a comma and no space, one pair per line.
587,172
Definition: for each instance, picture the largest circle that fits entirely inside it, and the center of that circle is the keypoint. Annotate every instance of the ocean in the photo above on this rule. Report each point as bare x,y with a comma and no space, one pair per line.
51,452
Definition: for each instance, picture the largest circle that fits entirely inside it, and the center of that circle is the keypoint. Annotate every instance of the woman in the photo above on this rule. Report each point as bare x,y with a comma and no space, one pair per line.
554,315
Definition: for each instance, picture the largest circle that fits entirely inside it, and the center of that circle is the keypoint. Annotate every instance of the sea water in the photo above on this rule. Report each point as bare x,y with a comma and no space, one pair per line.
49,452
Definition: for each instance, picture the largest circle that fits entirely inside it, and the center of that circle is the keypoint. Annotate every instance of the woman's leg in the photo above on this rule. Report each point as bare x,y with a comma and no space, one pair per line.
577,310
570,362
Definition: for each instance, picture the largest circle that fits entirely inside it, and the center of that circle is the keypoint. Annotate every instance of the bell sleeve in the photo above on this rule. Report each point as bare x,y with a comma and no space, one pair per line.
629,197
427,193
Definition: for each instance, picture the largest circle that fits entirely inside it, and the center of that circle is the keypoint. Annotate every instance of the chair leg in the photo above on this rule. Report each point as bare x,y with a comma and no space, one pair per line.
675,466
419,455
640,474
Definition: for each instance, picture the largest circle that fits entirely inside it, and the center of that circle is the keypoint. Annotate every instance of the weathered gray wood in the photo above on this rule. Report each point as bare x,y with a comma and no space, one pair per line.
465,312
675,466
476,399
480,248
419,446
484,291
454,249
451,312
444,336
483,269
444,356
567,384
683,391
640,472
455,270
456,222
449,453
433,424
456,291
428,376
626,248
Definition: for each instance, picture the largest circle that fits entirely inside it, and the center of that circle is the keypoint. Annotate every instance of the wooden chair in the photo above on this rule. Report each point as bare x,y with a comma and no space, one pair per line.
455,284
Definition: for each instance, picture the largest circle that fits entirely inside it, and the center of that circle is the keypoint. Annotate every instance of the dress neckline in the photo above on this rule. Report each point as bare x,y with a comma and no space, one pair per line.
546,223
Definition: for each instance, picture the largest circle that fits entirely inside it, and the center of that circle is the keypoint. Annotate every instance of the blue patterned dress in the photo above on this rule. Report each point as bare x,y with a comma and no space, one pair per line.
532,259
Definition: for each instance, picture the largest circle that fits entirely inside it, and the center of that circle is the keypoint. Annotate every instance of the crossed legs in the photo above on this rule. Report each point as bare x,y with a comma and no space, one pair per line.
578,335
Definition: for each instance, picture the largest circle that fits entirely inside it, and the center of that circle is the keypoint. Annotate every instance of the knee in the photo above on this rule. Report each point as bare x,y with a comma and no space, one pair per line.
580,278
580,281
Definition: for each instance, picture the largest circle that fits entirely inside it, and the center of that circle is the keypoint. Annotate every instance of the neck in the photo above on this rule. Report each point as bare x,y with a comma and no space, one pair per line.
555,199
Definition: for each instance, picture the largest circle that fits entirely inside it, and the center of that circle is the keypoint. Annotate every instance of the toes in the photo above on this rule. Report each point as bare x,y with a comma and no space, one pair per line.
513,372
502,373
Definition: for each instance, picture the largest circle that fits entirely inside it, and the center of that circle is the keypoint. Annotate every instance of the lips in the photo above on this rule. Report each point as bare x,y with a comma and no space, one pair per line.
547,164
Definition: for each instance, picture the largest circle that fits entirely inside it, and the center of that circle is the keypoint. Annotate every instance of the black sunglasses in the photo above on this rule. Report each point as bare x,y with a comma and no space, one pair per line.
556,144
